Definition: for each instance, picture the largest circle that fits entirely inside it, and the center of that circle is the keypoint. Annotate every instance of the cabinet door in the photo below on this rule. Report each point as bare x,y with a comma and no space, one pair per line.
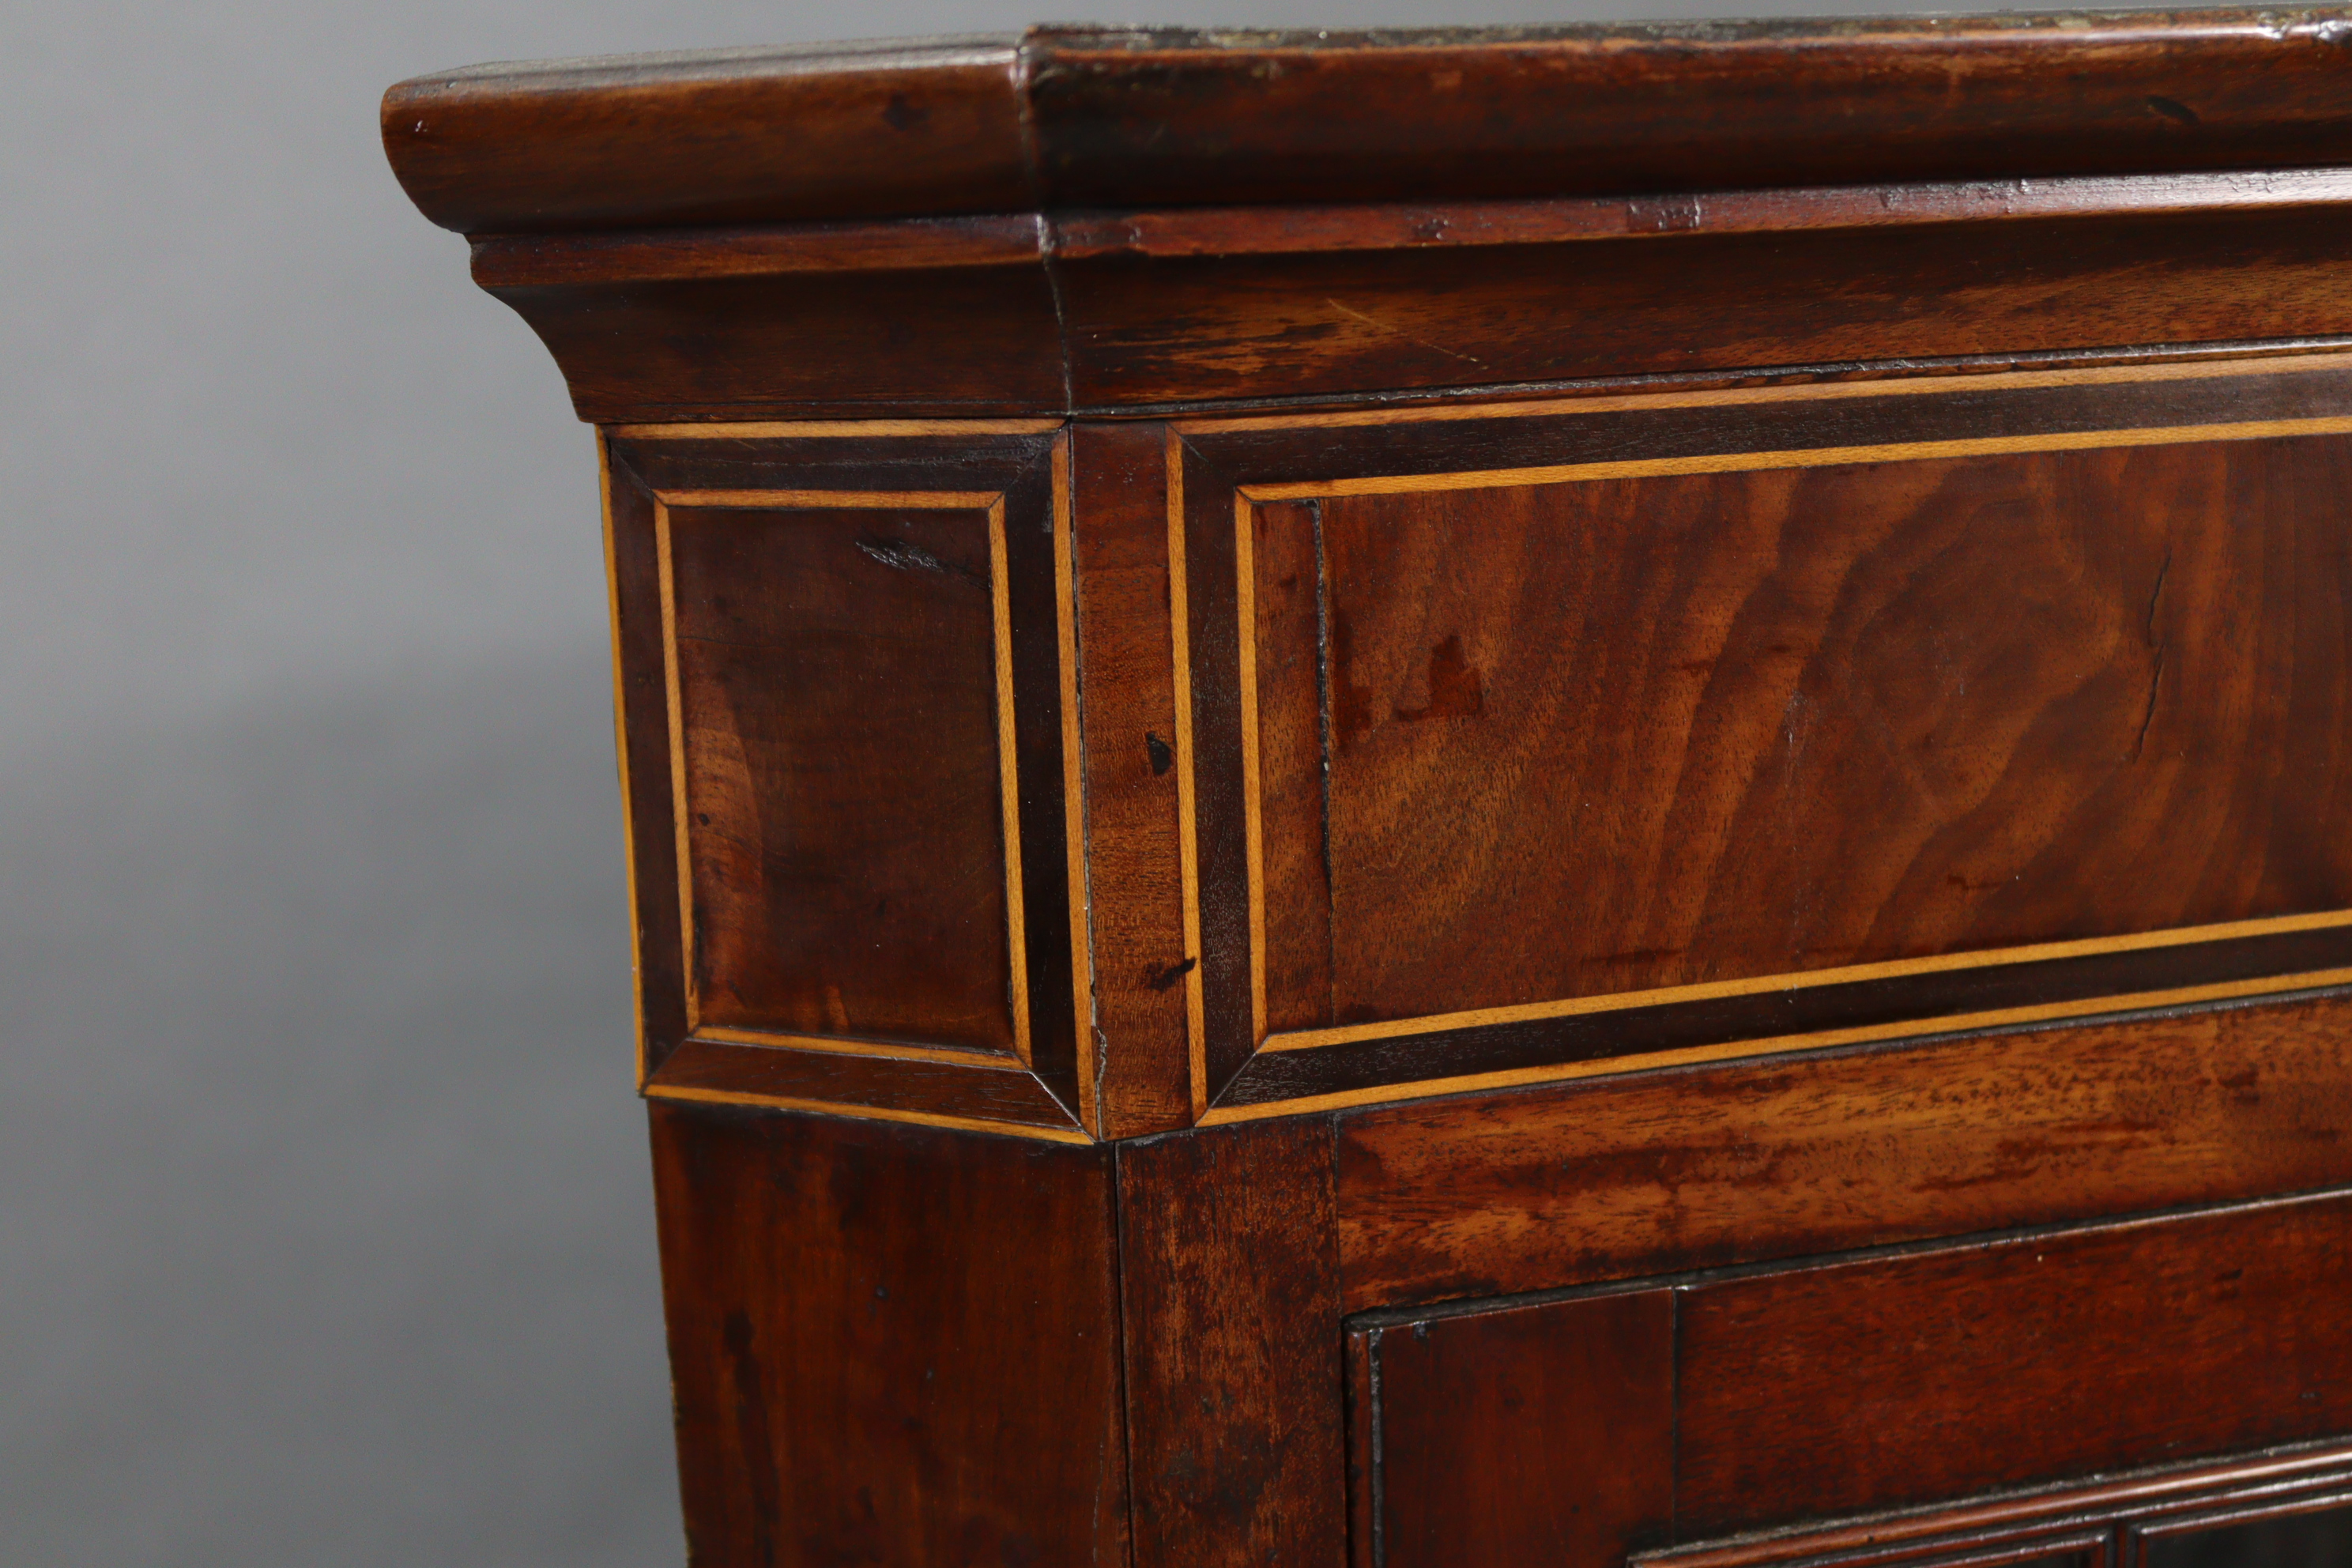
1659,1417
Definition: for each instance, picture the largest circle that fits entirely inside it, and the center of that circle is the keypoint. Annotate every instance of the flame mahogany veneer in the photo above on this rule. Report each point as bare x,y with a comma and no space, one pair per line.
1523,796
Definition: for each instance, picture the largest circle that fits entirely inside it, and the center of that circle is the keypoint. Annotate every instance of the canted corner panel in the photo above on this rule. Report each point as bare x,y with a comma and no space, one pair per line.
1540,740
851,681
840,709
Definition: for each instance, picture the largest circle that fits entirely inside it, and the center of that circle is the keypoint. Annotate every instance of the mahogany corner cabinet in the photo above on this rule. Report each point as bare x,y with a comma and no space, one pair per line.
1476,799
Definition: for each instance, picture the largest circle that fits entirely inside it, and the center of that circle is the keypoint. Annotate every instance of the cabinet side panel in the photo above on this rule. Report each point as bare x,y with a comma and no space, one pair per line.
1236,1395
889,1345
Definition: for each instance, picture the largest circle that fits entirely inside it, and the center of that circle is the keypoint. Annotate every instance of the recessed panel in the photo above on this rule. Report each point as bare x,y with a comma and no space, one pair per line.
2306,1536
1888,1381
837,712
1580,739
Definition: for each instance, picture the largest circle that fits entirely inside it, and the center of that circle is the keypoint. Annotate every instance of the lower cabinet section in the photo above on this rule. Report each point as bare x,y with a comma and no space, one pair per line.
1650,1420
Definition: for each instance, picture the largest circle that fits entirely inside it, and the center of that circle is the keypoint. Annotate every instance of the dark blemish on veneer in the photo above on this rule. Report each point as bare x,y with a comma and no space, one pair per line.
2173,109
1163,755
1454,687
1161,979
901,556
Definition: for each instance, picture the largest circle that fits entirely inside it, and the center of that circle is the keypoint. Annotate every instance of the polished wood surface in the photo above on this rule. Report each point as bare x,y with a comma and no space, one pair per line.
891,1344
798,623
1231,1289
1075,219
1702,1406
1819,759
1463,797
2025,1360
1619,1177
1118,117
1514,752
750,135
968,321
1241,329
850,628
1524,1436
1142,954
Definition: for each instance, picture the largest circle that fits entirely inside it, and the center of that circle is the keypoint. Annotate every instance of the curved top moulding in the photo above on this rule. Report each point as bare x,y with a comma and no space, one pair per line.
1074,117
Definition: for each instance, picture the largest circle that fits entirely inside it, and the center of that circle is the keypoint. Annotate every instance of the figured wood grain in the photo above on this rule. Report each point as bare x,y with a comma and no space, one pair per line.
1514,1438
1748,1161
1764,722
845,598
837,680
1177,330
1371,458
890,1344
1297,785
1230,1288
1879,1383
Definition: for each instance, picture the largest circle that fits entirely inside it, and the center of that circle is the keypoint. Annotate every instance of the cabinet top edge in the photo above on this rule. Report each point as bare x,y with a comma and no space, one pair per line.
1068,118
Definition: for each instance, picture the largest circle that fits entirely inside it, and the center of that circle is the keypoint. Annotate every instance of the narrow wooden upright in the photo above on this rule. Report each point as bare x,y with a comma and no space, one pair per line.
1477,798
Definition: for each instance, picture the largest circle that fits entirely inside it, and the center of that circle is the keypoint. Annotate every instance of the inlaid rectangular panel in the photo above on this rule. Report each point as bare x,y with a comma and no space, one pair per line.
1631,734
845,667
1568,732
840,688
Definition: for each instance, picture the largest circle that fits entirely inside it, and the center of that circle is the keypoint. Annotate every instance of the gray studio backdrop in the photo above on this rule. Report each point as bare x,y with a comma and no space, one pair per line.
325,1234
